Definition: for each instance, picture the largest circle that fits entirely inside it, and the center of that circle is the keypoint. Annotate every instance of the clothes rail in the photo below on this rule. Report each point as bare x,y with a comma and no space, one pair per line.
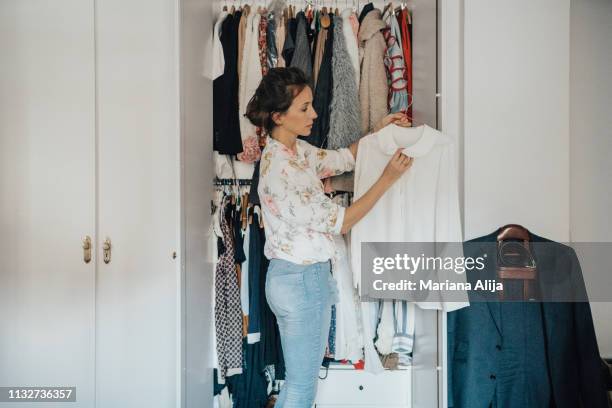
232,182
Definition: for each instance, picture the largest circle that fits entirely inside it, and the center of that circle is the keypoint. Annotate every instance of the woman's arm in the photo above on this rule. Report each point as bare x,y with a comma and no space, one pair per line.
398,164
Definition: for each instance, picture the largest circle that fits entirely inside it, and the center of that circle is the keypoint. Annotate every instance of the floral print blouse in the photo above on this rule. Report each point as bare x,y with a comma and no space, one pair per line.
299,218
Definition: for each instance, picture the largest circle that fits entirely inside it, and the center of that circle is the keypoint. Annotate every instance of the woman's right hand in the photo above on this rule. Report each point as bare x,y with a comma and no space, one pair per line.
398,164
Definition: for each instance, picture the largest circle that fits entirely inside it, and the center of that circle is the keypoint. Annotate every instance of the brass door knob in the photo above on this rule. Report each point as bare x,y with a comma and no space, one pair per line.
87,249
106,247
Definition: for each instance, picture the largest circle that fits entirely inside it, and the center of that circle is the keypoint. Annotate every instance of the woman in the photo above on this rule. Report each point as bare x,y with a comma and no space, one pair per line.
299,220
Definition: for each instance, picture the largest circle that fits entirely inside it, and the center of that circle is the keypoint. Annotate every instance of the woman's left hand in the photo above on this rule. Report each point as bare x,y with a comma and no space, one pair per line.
398,118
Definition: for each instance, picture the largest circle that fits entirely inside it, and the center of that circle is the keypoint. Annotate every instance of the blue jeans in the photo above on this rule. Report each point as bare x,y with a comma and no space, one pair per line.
301,297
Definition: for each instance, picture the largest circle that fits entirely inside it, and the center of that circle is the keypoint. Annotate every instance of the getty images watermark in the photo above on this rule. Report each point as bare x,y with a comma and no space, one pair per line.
485,271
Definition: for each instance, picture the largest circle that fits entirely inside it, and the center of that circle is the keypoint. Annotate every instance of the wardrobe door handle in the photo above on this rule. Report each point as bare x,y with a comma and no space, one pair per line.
87,249
106,247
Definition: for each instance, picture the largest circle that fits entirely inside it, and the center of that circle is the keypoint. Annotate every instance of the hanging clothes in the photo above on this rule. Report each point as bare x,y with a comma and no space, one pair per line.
280,40
302,58
253,194
251,74
349,336
364,12
270,335
241,260
242,27
228,314
345,120
244,280
373,86
289,44
256,246
407,51
344,117
319,49
216,69
350,29
271,42
223,166
226,128
394,61
249,389
322,96
263,44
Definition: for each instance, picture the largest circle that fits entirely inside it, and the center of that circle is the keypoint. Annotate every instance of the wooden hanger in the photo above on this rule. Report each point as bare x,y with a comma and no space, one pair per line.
513,231
325,20
389,5
508,251
244,212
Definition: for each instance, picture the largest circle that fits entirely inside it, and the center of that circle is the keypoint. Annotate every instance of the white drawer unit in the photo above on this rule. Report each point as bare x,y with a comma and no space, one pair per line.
357,388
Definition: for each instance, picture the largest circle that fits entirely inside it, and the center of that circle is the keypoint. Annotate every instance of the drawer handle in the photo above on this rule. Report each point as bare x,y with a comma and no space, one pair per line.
361,388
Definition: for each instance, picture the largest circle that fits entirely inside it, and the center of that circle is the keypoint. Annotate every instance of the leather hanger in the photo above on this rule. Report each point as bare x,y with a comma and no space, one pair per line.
513,231
515,261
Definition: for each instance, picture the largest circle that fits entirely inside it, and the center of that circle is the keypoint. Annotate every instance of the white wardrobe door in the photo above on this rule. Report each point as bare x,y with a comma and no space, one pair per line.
47,190
138,292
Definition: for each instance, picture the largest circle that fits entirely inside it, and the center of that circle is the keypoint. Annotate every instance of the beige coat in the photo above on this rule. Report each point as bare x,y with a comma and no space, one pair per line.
373,86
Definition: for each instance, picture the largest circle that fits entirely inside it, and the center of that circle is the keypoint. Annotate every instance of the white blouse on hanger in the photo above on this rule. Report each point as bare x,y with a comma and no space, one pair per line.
422,206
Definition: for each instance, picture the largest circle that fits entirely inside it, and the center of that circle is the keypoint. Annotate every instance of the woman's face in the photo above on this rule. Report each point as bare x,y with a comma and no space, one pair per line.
298,119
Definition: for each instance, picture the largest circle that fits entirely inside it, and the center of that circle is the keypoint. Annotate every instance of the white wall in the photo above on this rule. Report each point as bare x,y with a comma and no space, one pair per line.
516,103
591,138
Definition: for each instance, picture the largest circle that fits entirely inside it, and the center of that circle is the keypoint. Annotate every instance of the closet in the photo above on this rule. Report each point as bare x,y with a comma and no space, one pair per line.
90,153
340,385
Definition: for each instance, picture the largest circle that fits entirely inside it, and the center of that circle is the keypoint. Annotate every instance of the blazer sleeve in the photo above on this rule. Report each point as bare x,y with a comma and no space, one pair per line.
593,390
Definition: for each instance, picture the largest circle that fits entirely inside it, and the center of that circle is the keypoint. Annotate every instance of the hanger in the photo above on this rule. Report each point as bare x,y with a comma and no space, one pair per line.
325,20
515,261
243,211
513,231
256,209
387,7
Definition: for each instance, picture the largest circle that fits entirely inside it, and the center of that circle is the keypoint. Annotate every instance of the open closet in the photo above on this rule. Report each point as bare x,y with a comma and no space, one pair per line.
245,45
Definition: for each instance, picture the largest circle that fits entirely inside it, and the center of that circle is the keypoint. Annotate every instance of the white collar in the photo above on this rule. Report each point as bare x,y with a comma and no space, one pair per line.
416,141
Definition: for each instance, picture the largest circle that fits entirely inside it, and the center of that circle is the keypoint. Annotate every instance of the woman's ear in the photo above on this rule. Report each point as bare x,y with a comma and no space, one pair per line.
277,118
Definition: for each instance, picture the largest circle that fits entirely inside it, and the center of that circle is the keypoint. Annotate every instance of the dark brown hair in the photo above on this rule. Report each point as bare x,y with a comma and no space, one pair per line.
275,93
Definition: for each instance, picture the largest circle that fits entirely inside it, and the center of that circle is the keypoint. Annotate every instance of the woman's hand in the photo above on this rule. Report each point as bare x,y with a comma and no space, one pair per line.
398,164
398,118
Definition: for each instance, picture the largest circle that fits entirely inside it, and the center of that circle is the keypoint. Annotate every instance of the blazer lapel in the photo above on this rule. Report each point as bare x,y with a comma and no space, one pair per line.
488,249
